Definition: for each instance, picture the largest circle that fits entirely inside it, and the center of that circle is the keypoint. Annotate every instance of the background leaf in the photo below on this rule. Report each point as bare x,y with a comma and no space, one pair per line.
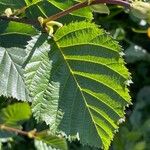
100,8
8,28
11,73
135,53
11,4
15,113
47,141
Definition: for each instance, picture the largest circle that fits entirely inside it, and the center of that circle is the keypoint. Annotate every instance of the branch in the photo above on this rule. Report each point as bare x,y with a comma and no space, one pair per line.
21,20
30,134
85,4
67,11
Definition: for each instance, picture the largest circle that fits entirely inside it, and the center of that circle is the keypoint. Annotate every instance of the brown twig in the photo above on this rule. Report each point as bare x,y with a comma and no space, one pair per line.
21,20
67,11
30,134
85,4
10,129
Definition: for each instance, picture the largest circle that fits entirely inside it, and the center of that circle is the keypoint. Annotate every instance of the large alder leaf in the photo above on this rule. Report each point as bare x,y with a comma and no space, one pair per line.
11,73
78,83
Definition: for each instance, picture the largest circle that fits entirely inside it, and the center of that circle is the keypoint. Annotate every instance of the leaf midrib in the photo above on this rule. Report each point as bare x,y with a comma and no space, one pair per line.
13,63
84,99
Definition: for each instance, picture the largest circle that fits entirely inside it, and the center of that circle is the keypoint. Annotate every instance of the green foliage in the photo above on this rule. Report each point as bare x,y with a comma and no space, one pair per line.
100,8
13,114
11,4
44,139
11,73
9,28
36,8
134,133
75,80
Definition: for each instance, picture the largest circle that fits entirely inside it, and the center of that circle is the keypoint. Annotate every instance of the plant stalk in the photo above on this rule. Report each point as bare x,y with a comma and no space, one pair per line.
67,11
30,134
85,4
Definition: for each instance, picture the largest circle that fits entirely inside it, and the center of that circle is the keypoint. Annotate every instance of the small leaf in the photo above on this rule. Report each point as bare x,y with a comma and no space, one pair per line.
13,3
39,145
7,28
119,34
44,139
15,114
4,4
100,8
11,73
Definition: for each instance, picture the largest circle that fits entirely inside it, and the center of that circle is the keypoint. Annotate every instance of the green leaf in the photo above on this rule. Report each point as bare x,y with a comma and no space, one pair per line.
7,28
45,8
46,141
32,2
39,145
13,4
11,73
119,34
78,84
11,59
14,114
50,7
37,76
15,34
100,8
85,12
